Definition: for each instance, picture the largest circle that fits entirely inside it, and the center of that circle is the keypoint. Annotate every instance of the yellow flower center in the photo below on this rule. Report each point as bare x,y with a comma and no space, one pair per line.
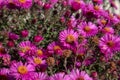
80,78
39,52
37,61
87,29
107,29
57,48
25,49
103,22
22,69
110,43
96,7
22,1
70,38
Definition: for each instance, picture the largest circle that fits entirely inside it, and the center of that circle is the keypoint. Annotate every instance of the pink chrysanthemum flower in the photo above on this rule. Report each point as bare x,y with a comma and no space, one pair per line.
40,76
88,30
54,47
59,76
113,19
76,4
22,71
68,37
108,30
109,44
36,61
102,22
26,48
77,75
23,3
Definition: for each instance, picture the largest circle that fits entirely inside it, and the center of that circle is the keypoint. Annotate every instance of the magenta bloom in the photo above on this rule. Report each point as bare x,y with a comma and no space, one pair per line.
77,75
59,76
108,30
76,4
68,37
87,29
21,71
26,48
109,44
54,47
38,38
40,76
23,3
24,33
36,61
13,36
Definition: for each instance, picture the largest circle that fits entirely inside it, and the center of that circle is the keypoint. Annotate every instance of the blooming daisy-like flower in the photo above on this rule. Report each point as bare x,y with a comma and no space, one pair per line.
109,44
36,61
23,3
54,47
68,37
77,75
22,71
40,76
113,19
59,76
102,22
87,30
108,30
26,47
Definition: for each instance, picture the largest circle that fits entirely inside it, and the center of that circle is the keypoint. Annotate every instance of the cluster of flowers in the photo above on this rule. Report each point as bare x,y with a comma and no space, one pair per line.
91,37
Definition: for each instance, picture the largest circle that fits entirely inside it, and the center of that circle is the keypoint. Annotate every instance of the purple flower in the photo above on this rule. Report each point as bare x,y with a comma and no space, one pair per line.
109,44
24,33
59,76
26,48
77,75
38,38
68,37
13,36
54,47
26,4
22,71
87,29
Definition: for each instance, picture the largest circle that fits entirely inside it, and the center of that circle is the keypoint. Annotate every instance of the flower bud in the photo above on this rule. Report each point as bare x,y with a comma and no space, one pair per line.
50,61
